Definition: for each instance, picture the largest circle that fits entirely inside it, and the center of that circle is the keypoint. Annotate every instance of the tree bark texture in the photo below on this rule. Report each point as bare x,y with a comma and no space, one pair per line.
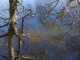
12,26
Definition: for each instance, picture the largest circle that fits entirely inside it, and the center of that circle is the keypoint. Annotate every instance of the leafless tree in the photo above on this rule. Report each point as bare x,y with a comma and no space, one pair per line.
45,13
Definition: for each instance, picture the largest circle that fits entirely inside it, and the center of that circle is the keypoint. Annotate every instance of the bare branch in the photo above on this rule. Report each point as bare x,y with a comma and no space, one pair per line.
75,21
60,13
3,11
4,25
4,18
4,35
53,7
23,8
4,57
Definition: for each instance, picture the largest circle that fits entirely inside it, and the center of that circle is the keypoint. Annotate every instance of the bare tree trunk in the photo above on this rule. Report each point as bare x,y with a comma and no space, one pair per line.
20,40
11,48
19,47
12,26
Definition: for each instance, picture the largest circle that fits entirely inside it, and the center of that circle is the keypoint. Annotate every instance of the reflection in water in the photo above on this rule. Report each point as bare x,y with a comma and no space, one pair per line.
34,35
52,34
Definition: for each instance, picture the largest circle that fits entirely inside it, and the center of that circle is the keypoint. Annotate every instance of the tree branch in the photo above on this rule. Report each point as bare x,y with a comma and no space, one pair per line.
4,35
4,25
4,57
22,7
3,10
4,18
53,7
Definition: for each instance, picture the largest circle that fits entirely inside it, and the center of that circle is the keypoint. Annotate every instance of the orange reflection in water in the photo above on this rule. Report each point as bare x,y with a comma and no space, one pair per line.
34,35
